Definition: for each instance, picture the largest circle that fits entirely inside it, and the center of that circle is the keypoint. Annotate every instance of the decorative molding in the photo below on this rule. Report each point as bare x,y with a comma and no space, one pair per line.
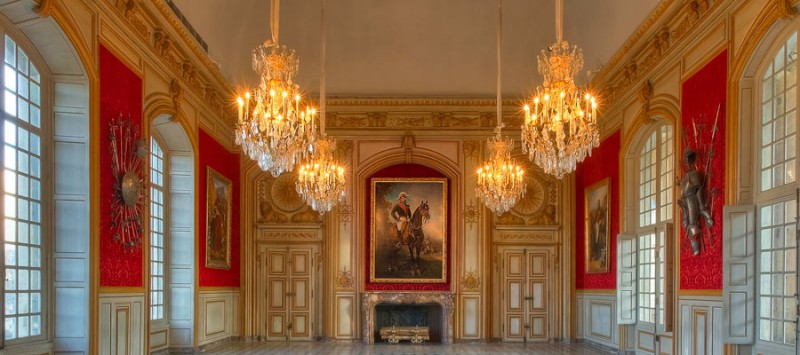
205,80
408,145
471,281
526,236
286,236
471,149
615,78
785,9
421,119
490,104
345,214
370,299
471,213
176,93
345,280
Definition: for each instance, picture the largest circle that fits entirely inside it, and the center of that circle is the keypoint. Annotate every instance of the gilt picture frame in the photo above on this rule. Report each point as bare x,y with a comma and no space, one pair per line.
408,234
218,220
597,207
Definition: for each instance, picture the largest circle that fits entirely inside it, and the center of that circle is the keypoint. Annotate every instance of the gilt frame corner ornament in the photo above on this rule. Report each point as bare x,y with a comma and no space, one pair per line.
597,206
411,245
219,192
128,152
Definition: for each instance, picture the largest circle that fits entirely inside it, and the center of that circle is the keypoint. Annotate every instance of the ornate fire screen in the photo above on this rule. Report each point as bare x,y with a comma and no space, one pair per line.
370,299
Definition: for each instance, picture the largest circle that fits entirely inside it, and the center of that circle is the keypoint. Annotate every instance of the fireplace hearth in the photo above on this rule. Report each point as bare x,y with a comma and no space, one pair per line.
433,310
388,315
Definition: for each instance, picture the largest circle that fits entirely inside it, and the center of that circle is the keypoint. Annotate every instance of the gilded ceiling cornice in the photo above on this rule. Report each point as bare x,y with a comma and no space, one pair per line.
194,69
634,39
417,101
639,56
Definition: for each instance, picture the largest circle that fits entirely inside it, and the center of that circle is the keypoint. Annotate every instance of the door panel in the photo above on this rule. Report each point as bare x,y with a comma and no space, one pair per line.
525,293
290,280
277,288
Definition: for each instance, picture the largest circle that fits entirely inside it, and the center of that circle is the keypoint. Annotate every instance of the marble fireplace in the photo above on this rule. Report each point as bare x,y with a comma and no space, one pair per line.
417,306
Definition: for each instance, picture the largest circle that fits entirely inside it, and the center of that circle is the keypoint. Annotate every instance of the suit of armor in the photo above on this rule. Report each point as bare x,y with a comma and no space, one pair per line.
692,202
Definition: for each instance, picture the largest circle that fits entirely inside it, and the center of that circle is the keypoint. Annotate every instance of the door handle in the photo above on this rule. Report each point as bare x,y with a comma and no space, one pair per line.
529,298
290,294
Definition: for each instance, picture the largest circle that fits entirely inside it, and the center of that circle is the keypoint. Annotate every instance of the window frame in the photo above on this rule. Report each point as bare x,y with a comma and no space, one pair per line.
165,231
782,193
663,298
47,188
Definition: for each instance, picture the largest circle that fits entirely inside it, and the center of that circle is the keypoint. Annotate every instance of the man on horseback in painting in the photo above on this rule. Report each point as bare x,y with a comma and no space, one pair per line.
401,213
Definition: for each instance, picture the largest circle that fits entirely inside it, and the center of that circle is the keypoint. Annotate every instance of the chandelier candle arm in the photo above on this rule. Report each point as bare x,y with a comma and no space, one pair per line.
501,181
560,127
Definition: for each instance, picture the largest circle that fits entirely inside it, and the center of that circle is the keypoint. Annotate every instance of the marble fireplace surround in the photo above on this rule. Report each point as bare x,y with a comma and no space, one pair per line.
370,299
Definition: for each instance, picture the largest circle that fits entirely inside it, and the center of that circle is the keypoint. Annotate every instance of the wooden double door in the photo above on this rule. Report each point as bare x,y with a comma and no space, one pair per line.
526,294
290,280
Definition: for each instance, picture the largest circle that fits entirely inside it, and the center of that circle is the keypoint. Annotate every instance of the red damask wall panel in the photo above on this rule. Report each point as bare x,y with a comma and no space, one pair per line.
405,171
120,94
604,163
214,155
702,96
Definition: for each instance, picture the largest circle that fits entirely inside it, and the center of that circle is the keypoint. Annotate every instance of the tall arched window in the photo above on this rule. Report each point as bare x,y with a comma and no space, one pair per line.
776,207
157,225
23,224
645,249
655,180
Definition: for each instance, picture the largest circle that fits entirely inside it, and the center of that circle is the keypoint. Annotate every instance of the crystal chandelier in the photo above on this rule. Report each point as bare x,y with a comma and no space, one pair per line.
321,180
274,128
560,126
500,180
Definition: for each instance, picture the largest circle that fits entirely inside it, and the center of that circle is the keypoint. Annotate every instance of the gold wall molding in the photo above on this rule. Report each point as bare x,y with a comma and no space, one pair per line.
631,64
345,280
470,281
287,236
193,68
405,102
526,237
540,205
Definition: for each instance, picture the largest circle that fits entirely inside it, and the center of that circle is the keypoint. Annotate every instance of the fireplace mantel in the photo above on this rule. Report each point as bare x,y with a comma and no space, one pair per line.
370,299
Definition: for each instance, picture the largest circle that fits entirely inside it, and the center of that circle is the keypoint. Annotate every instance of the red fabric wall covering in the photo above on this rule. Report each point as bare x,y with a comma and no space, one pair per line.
120,94
604,163
701,96
406,171
214,155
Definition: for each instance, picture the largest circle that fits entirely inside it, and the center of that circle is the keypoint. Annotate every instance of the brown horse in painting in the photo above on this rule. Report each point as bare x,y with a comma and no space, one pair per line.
412,236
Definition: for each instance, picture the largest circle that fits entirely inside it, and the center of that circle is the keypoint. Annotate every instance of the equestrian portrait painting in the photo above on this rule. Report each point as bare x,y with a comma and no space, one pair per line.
408,239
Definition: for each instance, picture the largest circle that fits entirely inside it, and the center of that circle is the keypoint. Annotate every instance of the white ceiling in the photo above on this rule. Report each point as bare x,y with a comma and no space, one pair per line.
413,48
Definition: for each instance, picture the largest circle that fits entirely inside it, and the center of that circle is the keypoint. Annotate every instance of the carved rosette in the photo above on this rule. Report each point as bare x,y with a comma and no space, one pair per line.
370,299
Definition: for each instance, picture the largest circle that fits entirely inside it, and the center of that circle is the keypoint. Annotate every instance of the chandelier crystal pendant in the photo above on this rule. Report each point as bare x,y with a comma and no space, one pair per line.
560,127
275,128
321,179
501,182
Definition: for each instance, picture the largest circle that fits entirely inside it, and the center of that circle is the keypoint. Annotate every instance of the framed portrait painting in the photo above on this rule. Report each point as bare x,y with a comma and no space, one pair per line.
597,227
218,220
408,238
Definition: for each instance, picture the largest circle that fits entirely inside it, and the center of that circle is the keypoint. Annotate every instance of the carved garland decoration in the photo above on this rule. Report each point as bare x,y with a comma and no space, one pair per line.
127,151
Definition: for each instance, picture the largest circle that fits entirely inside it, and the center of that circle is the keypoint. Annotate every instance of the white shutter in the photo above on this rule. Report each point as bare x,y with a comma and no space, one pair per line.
669,272
738,274
626,278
